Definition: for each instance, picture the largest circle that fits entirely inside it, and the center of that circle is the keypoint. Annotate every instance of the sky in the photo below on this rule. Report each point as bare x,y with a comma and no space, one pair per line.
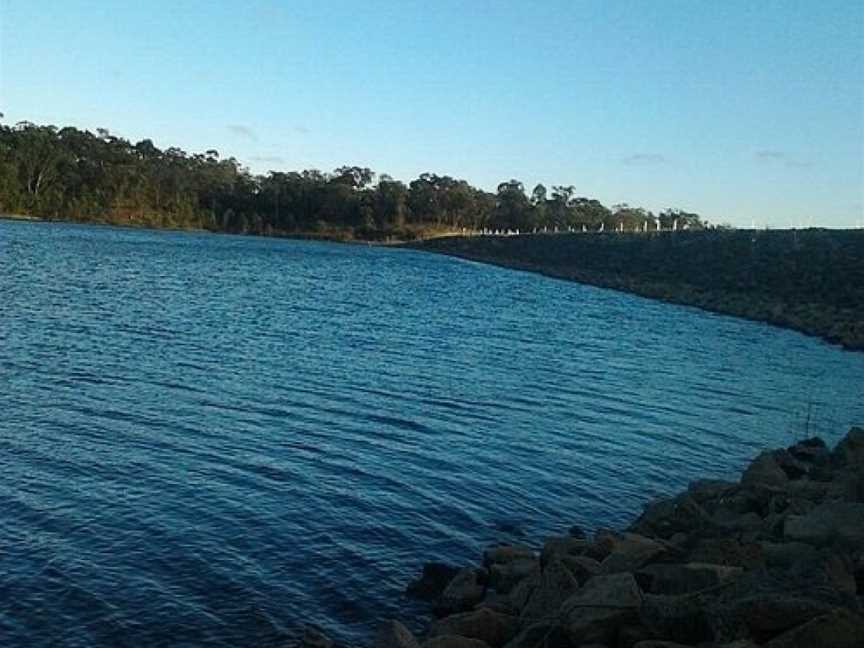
745,112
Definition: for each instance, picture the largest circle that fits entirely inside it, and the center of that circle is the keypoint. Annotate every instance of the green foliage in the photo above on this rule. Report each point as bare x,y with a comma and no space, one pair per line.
73,174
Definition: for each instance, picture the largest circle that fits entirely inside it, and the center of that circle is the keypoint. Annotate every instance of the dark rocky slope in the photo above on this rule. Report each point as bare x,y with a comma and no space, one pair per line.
810,280
774,560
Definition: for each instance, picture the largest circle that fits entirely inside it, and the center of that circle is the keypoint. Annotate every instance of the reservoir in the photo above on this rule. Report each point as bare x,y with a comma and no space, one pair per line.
212,440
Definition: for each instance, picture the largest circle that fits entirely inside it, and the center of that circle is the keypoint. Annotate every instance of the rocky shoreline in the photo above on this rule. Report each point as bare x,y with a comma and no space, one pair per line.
806,281
775,560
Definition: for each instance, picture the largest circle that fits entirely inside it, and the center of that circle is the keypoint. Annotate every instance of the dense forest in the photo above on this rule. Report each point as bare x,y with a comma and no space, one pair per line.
70,174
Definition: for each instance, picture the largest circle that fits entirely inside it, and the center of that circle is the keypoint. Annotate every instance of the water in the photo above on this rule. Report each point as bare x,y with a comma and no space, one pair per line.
210,440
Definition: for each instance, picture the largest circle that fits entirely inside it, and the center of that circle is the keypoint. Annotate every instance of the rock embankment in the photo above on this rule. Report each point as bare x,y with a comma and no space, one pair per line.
775,560
809,280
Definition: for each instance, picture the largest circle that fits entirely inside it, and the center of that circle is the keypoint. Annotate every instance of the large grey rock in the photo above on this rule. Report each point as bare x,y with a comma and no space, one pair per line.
504,554
837,629
453,641
583,568
628,551
665,517
765,470
830,523
562,546
602,606
680,618
392,634
556,584
542,634
505,576
484,624
315,638
684,579
521,594
432,582
463,592
850,451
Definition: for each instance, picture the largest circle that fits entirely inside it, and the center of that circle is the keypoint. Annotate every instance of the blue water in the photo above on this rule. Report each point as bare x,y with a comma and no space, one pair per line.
211,440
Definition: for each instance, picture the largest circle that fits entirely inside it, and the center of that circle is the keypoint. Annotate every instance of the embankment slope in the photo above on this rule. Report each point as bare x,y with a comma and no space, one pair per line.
808,280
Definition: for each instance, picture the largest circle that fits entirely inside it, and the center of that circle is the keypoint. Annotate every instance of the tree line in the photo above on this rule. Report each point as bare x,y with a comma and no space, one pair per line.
73,174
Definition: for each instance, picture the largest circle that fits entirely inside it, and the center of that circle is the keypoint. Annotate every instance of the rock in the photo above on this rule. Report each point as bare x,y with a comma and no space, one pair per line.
504,577
656,643
763,616
789,464
462,593
786,554
453,641
484,624
628,552
576,531
850,451
727,551
582,567
735,522
837,629
811,450
562,546
392,634
830,523
315,638
666,517
431,584
679,618
764,470
556,584
543,634
520,594
505,554
706,490
601,607
846,485
684,579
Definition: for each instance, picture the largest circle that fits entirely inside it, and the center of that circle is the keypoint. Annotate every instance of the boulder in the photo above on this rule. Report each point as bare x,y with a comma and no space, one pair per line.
837,629
830,523
504,554
791,465
726,551
762,616
850,451
556,584
684,579
811,450
562,546
576,531
583,568
628,551
786,554
543,634
453,641
665,517
392,634
432,582
484,624
601,607
765,470
678,618
315,638
505,576
706,490
520,594
657,643
463,592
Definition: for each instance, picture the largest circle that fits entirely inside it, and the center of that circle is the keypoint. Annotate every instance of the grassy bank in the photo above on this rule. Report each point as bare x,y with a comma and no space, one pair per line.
809,280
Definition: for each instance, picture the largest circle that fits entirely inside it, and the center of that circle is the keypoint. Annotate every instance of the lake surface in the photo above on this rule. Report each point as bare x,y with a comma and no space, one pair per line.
211,440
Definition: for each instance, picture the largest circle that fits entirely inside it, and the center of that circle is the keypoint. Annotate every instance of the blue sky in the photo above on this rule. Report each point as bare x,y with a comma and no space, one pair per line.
743,111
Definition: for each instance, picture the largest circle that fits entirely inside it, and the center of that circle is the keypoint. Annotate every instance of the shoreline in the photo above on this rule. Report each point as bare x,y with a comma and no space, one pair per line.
810,317
775,559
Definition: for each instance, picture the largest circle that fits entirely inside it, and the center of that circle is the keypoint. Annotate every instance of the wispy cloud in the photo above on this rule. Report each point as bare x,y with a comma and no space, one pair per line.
267,159
302,130
645,158
243,131
769,155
